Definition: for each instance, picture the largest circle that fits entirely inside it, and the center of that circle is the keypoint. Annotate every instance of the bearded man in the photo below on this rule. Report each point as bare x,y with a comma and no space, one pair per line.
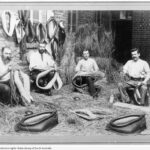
10,80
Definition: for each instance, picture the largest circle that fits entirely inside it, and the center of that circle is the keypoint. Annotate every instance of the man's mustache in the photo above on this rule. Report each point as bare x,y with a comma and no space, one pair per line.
134,57
8,58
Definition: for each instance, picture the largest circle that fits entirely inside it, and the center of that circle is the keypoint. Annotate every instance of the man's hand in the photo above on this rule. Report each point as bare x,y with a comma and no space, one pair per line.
13,67
82,70
144,82
55,67
9,67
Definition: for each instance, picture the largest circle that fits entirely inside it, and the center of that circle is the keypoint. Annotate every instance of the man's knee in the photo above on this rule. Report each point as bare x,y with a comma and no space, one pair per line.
41,82
89,78
144,87
120,84
6,88
25,76
52,73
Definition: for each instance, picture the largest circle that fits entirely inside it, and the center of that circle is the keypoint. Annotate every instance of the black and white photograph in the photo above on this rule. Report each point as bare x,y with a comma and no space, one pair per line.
75,74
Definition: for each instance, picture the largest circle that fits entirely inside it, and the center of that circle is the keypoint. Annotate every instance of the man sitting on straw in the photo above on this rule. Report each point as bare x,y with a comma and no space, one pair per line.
14,84
87,69
43,70
137,73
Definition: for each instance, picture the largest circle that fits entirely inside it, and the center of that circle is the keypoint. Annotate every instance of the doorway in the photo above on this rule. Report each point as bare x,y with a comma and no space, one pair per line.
122,31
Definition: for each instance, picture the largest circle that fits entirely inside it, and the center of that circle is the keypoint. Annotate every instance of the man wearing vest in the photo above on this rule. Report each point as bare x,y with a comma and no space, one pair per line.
137,72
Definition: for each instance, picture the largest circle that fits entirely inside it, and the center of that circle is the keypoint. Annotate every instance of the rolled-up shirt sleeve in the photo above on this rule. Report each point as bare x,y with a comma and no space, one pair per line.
31,64
147,69
31,60
78,67
95,66
125,68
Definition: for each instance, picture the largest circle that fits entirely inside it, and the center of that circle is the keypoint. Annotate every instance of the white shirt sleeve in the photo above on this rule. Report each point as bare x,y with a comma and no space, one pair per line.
78,67
31,62
146,68
126,68
50,61
95,66
32,59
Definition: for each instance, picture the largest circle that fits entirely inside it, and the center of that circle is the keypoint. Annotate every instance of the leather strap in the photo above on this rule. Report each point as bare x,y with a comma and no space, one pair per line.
19,31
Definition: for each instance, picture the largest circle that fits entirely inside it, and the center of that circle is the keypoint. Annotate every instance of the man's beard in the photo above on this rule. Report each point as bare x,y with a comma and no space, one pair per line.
6,59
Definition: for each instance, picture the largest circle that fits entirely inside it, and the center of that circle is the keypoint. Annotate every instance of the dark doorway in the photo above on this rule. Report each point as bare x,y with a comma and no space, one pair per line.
122,31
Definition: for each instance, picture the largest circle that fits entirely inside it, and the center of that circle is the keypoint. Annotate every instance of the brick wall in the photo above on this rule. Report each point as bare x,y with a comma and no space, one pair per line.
9,42
61,15
86,17
141,33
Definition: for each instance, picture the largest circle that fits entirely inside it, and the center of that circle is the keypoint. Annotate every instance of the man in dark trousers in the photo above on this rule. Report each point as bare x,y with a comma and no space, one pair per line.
6,69
40,60
88,67
137,72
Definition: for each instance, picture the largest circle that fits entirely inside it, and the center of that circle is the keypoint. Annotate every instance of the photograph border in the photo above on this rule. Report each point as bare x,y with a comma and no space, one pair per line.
90,5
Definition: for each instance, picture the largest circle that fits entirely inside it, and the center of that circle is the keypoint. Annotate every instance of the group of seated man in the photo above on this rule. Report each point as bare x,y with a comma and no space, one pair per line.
137,70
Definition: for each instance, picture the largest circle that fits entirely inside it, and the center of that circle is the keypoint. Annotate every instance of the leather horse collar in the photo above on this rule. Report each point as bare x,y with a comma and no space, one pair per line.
9,29
55,82
127,124
38,122
61,33
61,24
54,48
81,84
29,31
51,27
24,15
40,33
19,31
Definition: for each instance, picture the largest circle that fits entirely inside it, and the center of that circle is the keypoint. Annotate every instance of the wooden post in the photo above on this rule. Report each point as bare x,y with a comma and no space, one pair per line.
77,16
110,19
71,20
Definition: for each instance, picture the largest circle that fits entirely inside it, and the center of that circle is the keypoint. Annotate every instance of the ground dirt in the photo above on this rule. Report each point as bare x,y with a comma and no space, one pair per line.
64,102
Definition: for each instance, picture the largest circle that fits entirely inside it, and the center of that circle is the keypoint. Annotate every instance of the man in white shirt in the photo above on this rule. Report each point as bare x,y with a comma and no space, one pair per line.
138,73
87,67
5,80
40,60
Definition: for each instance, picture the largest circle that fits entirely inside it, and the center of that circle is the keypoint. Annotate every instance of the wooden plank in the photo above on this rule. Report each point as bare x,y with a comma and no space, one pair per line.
131,106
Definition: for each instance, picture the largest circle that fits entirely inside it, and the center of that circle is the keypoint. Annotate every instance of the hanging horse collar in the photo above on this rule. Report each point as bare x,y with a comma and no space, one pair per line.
52,27
40,33
9,29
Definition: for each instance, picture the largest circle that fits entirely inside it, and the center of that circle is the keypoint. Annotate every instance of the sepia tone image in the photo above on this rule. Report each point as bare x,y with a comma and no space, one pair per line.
74,72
